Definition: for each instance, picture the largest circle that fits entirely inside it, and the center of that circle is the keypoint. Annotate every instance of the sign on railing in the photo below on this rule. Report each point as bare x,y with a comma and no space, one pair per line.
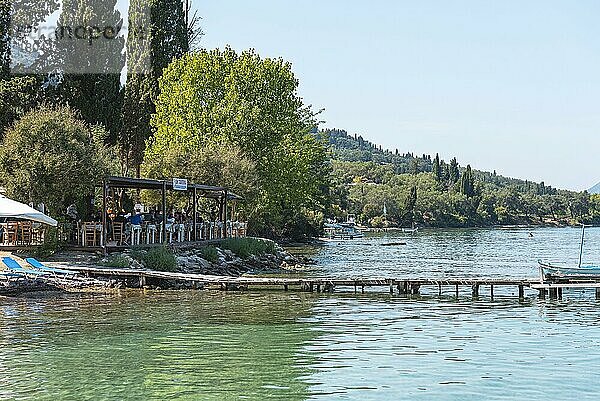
180,184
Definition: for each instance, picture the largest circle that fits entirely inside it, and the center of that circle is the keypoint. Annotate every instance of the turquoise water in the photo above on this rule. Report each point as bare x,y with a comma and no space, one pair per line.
297,346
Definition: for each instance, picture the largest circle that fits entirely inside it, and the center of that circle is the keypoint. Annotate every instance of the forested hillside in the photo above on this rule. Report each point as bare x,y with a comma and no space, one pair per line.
431,192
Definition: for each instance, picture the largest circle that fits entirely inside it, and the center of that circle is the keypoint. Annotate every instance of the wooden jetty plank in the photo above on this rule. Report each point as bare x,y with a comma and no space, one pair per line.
403,286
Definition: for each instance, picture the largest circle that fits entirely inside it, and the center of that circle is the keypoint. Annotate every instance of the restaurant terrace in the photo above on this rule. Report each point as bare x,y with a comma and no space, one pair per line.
112,228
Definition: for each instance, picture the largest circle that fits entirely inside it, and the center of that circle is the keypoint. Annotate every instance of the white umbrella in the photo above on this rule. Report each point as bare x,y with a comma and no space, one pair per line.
13,209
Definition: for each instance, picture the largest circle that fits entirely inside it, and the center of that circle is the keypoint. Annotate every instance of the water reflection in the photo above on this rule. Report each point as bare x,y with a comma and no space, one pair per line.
295,346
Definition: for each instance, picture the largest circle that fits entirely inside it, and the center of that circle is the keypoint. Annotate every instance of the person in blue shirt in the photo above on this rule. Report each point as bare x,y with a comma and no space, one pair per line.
137,219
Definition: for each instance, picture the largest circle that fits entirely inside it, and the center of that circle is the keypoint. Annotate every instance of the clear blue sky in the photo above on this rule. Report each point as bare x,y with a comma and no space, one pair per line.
506,85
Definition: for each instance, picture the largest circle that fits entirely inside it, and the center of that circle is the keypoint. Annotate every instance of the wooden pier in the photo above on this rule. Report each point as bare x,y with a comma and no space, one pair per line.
410,286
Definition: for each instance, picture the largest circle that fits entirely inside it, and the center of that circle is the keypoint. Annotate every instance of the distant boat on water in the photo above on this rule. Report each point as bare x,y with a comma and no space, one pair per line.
344,231
412,230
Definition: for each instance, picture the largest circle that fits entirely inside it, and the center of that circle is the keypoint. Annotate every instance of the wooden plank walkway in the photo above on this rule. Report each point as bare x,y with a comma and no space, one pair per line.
401,286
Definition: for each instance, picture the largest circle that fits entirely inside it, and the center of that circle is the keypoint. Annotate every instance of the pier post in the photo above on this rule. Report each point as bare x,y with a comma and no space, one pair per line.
560,293
362,289
597,293
285,287
521,292
457,291
492,291
475,290
553,293
405,287
391,287
439,289
318,287
542,294
414,289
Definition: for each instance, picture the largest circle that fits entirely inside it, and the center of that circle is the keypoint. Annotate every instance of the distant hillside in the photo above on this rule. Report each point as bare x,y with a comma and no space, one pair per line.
354,148
595,189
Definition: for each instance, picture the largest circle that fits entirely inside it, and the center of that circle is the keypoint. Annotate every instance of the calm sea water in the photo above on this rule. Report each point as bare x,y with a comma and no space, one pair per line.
296,346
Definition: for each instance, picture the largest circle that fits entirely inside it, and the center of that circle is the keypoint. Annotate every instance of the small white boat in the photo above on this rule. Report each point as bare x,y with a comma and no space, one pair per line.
549,272
410,230
343,231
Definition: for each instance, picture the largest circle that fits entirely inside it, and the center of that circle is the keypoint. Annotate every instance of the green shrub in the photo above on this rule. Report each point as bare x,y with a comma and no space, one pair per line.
246,247
161,259
117,261
209,253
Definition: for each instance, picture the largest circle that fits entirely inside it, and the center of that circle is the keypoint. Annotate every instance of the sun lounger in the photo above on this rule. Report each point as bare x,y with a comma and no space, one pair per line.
14,266
40,266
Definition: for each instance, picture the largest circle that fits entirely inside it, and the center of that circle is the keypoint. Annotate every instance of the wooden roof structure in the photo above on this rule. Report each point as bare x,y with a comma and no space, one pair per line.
222,194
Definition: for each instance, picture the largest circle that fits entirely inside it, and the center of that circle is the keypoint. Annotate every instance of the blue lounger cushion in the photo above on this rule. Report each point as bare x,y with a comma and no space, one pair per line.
40,266
15,266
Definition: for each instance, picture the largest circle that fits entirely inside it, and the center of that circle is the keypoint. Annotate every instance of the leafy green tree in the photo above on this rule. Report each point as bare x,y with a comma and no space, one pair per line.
18,95
51,156
220,98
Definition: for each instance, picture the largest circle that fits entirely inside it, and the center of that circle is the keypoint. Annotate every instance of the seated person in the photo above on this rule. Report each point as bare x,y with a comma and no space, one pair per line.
137,219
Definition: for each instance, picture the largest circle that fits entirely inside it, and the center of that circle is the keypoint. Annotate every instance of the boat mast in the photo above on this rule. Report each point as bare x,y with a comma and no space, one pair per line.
581,247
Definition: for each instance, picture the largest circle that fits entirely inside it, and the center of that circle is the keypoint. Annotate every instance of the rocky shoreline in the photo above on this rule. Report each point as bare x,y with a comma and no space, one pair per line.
225,262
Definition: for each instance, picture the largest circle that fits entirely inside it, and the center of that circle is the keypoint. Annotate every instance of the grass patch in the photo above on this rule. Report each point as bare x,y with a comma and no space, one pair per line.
159,258
209,253
246,247
117,262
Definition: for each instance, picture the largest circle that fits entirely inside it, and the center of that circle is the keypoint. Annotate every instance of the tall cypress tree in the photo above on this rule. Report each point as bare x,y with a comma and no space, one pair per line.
454,172
163,26
437,168
4,39
91,82
467,183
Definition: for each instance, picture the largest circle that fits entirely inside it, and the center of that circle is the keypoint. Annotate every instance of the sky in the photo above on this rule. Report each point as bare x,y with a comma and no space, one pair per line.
503,85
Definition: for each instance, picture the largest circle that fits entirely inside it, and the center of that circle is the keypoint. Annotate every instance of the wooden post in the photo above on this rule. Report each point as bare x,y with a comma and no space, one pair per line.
195,208
597,293
363,289
560,293
318,287
415,289
439,289
457,291
103,219
492,291
521,292
553,293
225,215
542,294
164,212
285,287
475,290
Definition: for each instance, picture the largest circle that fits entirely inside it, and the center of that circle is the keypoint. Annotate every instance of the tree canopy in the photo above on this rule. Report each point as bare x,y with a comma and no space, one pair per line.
221,98
51,156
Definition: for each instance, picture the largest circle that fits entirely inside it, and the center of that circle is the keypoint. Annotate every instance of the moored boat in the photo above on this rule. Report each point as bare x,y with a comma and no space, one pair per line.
549,272
342,231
